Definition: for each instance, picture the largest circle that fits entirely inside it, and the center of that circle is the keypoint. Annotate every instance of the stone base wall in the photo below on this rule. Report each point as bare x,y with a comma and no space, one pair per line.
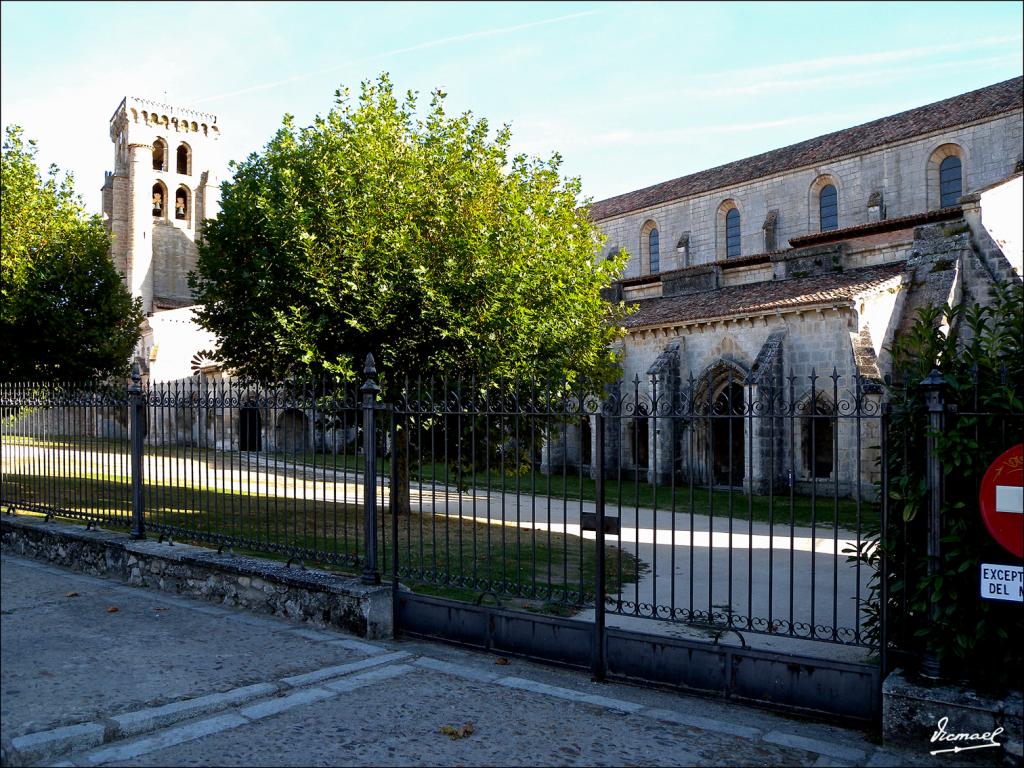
262,586
912,710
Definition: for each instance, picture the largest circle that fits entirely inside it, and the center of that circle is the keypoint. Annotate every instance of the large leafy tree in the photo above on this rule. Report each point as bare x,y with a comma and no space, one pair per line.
418,239
64,311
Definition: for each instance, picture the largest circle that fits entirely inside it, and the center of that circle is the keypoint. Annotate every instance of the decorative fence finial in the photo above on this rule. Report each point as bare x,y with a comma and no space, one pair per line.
370,370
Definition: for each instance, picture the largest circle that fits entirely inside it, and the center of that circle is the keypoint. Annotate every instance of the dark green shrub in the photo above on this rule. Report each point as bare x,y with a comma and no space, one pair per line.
982,364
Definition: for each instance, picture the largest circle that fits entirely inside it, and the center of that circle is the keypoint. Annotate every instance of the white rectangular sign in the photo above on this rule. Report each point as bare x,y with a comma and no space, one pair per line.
1002,582
1010,498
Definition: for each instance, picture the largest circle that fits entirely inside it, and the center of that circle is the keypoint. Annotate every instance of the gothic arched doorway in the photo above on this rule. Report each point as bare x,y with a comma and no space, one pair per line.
817,433
727,446
250,426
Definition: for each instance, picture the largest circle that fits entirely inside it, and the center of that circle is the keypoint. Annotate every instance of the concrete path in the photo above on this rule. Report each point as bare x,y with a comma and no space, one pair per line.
98,673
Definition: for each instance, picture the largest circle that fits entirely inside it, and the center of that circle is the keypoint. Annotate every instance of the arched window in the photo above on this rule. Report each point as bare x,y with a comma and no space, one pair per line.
946,175
655,259
950,181
181,204
159,200
732,233
184,164
828,208
159,155
650,254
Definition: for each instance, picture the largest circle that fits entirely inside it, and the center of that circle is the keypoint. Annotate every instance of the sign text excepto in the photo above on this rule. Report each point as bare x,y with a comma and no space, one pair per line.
1002,582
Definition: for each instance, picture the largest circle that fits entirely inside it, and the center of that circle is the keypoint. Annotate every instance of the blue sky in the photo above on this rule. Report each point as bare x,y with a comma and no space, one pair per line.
629,93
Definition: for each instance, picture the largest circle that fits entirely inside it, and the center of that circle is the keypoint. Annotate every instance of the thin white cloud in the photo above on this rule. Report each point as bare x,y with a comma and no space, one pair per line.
408,49
539,136
825,63
773,86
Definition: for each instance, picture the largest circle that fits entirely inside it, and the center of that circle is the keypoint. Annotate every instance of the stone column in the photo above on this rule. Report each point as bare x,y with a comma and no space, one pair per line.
613,426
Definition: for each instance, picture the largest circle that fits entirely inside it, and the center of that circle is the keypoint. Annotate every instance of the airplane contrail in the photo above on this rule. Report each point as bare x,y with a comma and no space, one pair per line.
407,49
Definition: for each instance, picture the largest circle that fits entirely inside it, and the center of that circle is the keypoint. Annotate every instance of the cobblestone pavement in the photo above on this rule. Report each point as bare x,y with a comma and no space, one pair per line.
98,673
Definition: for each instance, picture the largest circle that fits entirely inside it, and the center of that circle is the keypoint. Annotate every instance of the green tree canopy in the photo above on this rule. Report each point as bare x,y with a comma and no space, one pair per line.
64,312
415,238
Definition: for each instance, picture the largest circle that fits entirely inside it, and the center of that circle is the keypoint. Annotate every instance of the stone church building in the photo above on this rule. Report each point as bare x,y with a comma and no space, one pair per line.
745,278
752,276
163,186
156,198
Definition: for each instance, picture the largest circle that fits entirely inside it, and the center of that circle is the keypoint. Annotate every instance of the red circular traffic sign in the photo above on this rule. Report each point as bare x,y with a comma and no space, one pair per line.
1002,500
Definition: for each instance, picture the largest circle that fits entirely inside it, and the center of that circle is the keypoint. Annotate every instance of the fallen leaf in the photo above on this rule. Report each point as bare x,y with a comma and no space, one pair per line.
113,609
501,660
71,594
458,733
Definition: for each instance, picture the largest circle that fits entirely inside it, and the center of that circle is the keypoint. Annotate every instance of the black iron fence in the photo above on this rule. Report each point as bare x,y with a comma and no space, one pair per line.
726,505
66,448
926,610
714,503
270,468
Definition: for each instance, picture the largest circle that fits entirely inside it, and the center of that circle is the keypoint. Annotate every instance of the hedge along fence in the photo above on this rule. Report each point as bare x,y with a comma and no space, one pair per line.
957,403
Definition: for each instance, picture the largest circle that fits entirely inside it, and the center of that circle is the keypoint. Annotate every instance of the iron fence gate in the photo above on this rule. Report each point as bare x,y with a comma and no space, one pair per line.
736,510
721,522
699,532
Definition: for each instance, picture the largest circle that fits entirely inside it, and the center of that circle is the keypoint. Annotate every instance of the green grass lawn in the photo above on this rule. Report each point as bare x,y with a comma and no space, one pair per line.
620,492
623,493
445,555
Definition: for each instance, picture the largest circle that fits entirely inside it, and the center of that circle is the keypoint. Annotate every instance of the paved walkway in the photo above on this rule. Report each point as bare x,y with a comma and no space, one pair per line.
98,673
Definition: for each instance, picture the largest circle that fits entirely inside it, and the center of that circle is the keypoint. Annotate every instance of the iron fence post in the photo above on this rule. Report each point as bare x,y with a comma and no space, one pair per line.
934,387
370,389
393,509
883,562
137,408
599,662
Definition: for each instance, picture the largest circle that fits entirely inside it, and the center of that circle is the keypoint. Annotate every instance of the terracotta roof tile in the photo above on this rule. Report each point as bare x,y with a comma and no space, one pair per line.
874,227
965,108
757,298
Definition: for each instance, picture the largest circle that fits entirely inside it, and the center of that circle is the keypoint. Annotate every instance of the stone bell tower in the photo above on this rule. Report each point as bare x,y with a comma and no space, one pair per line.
164,184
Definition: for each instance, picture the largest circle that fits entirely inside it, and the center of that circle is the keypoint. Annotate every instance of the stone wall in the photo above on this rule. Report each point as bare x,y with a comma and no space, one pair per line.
174,256
262,586
46,423
999,215
912,710
899,172
817,340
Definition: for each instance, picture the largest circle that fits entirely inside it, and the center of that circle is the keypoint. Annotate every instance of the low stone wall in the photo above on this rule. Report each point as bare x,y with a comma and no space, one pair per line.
262,586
